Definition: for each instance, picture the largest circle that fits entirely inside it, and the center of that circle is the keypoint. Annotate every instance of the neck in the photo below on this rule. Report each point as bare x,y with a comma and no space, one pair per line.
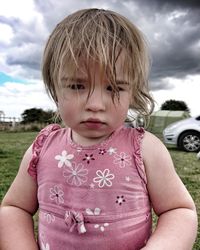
86,141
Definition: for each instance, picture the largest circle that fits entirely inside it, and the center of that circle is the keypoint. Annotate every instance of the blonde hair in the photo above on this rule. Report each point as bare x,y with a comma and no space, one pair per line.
100,35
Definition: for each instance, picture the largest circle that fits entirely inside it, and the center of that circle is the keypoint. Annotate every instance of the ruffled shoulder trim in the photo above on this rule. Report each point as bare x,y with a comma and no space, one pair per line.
139,135
37,147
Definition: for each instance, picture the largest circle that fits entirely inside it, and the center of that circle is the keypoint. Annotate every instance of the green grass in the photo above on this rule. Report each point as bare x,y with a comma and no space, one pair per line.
13,145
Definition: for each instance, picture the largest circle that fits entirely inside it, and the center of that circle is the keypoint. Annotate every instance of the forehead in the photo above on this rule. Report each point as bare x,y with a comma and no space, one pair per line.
84,68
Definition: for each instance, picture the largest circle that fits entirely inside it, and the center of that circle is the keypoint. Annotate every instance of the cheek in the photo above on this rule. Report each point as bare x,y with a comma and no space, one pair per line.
121,110
69,109
64,108
124,107
125,102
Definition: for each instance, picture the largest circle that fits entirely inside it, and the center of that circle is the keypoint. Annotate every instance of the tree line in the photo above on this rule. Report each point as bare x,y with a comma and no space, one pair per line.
38,115
41,116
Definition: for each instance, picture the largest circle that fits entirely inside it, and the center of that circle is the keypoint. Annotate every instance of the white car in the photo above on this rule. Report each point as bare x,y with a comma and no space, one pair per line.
185,134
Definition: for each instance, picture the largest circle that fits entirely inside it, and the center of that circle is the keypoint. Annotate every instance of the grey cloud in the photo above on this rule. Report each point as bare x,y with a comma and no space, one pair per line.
25,48
169,4
171,27
24,62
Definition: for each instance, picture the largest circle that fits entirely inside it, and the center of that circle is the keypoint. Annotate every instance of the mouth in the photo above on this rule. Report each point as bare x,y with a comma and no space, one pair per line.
93,120
93,123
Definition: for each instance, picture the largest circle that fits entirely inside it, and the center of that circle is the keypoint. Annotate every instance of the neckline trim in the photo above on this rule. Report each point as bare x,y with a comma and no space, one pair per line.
95,146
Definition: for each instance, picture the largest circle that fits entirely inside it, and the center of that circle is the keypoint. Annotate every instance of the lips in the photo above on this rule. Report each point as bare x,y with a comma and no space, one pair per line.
93,123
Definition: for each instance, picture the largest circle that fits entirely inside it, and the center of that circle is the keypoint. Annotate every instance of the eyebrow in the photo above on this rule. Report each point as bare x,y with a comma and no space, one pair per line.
122,82
84,80
74,79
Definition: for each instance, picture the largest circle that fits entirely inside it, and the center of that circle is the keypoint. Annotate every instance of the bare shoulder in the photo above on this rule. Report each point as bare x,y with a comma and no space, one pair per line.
153,147
23,191
155,155
165,187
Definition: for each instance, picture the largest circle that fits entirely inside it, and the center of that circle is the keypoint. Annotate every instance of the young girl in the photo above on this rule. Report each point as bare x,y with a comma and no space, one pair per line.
95,181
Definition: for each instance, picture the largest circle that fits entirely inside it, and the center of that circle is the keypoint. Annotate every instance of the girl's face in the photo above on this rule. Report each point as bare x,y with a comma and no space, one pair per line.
92,119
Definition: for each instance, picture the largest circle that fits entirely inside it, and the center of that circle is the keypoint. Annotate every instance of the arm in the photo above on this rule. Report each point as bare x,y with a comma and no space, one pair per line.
177,218
17,209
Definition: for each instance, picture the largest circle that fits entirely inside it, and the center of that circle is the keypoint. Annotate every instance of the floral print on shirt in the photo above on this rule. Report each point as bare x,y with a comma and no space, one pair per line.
111,151
104,178
56,194
49,217
120,199
101,226
45,246
88,158
122,160
64,159
76,174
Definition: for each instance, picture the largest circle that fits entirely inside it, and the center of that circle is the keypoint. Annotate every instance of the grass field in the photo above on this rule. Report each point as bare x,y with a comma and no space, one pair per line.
13,146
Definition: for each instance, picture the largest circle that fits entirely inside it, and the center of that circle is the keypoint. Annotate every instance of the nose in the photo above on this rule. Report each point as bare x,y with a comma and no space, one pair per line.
96,101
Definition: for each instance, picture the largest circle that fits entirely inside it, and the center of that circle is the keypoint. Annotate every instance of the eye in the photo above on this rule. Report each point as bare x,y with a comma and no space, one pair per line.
119,88
110,88
76,86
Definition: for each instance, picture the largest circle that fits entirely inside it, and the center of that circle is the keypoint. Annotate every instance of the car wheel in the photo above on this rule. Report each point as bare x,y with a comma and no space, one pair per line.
189,141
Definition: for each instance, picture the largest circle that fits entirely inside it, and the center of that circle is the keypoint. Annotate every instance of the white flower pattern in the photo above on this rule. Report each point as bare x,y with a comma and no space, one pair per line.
111,151
56,193
45,246
49,217
127,178
96,211
104,178
76,174
101,227
64,159
122,160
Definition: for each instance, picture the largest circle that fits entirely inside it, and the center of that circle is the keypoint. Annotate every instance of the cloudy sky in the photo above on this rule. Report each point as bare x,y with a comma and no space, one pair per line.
172,29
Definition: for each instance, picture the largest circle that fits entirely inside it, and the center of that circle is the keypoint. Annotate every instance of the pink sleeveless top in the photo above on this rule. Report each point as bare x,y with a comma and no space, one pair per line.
91,197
